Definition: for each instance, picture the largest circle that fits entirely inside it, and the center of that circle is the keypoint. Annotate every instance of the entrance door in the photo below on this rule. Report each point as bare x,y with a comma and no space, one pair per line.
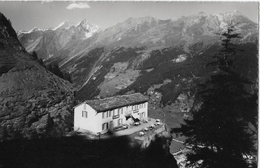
111,126
119,122
142,116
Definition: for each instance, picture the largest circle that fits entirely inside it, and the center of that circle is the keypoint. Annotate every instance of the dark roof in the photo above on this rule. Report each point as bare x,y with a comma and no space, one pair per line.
110,103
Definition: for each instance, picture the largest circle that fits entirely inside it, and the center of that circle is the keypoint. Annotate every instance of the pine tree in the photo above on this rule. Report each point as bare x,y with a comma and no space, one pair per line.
34,55
218,133
67,77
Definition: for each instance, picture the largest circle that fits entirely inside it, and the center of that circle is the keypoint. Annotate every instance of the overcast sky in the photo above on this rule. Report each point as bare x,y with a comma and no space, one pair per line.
27,15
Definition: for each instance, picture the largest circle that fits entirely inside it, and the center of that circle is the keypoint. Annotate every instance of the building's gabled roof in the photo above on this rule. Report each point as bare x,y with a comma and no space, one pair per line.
110,103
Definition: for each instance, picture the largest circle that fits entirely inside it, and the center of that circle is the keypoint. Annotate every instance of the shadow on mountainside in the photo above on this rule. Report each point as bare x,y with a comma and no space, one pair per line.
76,151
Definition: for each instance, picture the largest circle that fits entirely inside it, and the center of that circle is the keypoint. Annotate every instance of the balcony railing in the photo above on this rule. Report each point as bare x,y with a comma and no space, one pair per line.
135,111
115,116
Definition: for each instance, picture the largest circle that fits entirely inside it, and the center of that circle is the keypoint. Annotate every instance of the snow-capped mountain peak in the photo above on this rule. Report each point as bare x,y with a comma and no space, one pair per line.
84,23
88,28
66,24
87,25
231,15
82,30
147,20
35,29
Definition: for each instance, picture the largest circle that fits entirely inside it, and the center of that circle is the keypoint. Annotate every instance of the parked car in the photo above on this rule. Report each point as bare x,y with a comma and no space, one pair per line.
158,120
137,123
145,129
151,126
141,133
157,123
124,126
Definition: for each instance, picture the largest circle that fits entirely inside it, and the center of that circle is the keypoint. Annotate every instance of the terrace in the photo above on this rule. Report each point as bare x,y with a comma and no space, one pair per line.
143,127
147,128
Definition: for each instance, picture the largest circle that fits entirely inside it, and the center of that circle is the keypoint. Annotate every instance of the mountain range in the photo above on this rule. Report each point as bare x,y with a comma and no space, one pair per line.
141,53
147,31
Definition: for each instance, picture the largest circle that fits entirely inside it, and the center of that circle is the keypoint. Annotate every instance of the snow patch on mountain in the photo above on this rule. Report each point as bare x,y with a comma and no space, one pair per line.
66,25
35,29
223,25
180,58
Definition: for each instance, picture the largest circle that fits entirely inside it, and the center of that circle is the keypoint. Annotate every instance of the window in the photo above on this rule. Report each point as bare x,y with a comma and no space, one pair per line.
104,126
121,110
110,113
104,114
115,112
85,114
144,105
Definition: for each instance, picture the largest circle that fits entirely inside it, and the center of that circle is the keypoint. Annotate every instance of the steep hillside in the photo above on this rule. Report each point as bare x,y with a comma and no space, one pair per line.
33,101
136,70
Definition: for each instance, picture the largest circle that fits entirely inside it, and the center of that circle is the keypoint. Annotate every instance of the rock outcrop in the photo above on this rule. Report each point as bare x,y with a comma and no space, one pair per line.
33,101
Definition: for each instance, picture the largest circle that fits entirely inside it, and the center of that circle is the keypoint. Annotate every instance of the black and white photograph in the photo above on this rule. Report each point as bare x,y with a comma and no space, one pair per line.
129,84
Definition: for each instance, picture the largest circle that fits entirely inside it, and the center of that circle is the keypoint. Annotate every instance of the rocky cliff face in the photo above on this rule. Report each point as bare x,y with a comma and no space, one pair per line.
33,101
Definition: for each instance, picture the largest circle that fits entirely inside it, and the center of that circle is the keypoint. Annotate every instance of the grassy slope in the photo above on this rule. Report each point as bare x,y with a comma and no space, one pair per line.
121,54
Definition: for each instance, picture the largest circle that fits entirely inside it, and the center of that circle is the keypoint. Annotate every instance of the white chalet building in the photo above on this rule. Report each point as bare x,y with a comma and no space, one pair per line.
101,115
